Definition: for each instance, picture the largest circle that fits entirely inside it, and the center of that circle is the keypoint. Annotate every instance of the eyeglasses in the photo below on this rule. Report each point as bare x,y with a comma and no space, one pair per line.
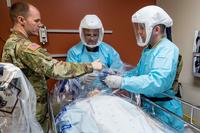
91,36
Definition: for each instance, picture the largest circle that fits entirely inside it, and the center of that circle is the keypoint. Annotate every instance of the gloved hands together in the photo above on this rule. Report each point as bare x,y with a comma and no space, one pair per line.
88,78
113,81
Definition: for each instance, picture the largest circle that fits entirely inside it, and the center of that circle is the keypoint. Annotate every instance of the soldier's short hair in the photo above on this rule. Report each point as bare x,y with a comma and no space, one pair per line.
19,9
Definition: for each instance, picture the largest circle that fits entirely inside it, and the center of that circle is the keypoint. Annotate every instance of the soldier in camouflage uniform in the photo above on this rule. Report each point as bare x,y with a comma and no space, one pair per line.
33,60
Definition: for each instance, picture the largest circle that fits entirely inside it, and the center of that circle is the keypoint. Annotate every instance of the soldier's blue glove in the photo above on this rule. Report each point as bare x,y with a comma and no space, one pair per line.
113,81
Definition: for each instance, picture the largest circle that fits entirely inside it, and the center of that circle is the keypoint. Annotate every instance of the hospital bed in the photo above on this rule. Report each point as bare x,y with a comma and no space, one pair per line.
135,100
23,86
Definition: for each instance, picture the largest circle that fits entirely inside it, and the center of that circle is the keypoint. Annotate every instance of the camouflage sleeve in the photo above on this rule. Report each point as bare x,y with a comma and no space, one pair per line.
37,59
7,53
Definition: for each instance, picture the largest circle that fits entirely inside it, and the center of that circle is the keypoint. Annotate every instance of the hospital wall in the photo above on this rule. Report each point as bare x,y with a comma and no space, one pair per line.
67,14
186,16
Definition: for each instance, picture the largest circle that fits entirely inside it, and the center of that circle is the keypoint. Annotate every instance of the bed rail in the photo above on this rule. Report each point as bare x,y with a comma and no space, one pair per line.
135,98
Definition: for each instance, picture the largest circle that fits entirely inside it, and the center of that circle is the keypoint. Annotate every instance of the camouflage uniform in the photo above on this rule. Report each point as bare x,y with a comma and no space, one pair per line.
36,64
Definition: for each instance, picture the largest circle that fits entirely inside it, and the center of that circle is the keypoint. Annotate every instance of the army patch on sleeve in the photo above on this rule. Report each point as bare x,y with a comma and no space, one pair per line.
33,46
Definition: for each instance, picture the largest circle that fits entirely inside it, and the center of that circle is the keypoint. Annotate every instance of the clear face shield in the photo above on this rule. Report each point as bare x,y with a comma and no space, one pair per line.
91,37
142,33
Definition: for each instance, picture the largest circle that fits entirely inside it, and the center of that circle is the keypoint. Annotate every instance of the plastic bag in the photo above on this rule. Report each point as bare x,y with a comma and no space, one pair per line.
18,102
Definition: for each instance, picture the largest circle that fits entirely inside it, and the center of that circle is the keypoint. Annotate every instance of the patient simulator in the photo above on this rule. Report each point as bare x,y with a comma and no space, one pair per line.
77,108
